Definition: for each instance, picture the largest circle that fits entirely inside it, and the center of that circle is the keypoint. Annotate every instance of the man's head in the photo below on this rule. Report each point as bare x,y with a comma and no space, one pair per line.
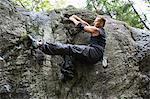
99,22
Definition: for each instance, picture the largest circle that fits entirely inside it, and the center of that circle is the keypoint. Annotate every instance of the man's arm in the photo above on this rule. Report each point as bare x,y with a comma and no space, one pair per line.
74,20
86,27
92,29
79,19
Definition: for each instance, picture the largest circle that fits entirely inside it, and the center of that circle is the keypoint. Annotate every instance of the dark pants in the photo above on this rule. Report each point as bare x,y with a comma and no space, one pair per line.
84,54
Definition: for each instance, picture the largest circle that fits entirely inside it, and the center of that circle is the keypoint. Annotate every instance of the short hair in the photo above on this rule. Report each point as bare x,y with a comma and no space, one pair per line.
101,19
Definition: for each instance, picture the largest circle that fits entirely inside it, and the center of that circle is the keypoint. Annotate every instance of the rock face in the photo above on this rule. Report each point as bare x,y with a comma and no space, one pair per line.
28,74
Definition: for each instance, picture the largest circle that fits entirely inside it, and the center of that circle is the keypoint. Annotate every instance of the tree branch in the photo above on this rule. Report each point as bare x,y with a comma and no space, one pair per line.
21,4
139,16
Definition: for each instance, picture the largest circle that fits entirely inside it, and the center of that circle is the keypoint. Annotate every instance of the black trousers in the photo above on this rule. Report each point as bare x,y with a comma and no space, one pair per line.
81,53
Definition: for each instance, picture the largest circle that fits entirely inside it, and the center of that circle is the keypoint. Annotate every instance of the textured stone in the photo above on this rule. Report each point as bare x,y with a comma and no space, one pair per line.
30,74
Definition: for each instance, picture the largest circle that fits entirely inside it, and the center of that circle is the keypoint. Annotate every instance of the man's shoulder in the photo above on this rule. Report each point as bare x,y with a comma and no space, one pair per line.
102,31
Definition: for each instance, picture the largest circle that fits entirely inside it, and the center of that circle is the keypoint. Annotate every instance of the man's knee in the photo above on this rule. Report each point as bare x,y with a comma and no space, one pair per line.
61,49
55,49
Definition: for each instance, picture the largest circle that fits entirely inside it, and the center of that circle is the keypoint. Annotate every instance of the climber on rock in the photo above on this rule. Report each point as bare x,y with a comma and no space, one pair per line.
86,54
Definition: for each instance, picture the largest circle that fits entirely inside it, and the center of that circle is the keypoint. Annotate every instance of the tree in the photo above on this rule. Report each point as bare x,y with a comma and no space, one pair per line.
147,27
39,5
117,9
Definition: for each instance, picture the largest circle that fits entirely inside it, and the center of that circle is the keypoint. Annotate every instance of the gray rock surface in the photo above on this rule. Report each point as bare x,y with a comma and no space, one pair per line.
28,74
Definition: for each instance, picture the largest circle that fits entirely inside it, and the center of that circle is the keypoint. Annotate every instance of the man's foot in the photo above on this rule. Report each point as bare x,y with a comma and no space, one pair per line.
35,43
67,69
65,78
104,62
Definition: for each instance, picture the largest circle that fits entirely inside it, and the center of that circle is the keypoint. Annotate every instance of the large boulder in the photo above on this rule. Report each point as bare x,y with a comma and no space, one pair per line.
29,74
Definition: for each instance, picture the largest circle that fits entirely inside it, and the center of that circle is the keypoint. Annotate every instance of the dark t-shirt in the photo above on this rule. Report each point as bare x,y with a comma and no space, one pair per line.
100,39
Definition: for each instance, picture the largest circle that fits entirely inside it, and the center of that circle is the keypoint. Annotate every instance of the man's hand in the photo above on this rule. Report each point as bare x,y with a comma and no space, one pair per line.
79,19
74,20
71,18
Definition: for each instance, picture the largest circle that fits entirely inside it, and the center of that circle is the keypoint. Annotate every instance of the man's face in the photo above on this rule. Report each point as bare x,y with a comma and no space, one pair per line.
96,20
98,23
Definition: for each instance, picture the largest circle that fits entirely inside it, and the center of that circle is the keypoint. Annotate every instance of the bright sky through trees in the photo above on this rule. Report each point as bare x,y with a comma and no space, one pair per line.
139,9
76,3
142,7
139,5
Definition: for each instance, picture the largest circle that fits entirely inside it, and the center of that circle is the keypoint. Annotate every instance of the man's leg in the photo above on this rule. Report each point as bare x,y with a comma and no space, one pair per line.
65,49
67,68
58,48
82,53
69,53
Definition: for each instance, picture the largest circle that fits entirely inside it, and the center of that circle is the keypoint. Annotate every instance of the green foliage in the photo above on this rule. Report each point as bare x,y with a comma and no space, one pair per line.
45,5
60,3
117,9
34,5
39,5
89,4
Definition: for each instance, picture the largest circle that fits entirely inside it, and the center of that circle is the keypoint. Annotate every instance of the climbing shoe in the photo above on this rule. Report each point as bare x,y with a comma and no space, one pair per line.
64,78
35,43
67,69
104,62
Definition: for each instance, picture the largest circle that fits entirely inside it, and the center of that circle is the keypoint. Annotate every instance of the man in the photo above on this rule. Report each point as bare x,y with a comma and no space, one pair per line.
90,54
